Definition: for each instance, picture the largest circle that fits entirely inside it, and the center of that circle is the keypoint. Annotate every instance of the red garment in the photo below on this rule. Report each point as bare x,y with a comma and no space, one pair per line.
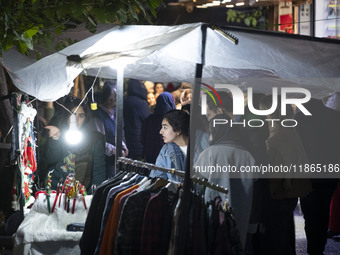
29,158
26,192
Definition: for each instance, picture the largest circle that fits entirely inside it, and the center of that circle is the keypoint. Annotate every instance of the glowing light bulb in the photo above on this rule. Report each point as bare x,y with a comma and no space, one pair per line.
73,136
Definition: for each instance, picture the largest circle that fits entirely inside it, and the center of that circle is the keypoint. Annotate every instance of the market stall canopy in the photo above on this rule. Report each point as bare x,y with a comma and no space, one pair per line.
260,60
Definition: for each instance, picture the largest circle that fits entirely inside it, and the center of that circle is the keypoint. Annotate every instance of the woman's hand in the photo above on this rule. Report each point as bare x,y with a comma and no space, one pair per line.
53,132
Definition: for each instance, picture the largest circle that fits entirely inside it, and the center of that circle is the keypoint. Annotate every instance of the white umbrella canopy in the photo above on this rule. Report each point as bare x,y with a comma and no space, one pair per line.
170,53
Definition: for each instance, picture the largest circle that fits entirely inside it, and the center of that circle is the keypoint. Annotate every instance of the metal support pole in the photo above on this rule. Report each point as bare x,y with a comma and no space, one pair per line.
119,114
15,152
195,108
313,18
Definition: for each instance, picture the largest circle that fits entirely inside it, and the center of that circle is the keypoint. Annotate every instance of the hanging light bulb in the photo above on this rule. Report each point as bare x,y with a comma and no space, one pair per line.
73,136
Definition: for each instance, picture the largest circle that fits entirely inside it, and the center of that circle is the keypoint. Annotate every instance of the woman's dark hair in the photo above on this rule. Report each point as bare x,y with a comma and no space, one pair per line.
156,83
179,121
70,103
176,94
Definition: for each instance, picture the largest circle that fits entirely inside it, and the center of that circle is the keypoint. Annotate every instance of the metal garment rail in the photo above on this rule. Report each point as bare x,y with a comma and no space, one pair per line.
150,166
194,179
208,184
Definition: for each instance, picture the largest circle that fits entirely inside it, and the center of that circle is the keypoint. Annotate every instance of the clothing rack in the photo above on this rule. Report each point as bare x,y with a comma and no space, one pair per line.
208,184
150,166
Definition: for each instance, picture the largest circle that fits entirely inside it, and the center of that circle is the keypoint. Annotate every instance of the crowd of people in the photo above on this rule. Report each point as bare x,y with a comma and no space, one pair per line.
93,159
156,130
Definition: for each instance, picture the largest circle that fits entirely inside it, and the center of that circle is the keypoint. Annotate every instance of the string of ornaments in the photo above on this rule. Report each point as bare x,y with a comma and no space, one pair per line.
72,190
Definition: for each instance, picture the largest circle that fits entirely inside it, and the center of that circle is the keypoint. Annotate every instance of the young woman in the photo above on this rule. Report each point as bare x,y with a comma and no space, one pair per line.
158,89
151,139
151,101
86,159
175,134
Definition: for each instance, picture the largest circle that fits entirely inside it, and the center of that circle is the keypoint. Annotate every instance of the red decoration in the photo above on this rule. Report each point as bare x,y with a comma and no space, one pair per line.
29,158
286,22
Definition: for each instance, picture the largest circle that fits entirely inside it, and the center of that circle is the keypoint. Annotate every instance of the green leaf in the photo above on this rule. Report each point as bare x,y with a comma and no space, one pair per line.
31,32
247,21
152,4
122,15
89,26
32,22
231,13
29,44
99,14
140,7
38,55
151,8
258,14
27,41
77,12
91,21
133,12
254,22
16,35
23,47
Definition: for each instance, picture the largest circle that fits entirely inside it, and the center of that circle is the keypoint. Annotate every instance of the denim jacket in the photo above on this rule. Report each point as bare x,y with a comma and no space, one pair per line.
170,156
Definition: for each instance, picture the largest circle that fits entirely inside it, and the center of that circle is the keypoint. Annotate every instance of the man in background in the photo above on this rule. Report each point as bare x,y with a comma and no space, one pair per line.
105,123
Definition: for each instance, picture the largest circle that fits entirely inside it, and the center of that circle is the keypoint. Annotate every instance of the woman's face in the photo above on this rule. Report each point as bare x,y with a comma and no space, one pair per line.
168,134
80,116
149,86
151,99
159,88
188,97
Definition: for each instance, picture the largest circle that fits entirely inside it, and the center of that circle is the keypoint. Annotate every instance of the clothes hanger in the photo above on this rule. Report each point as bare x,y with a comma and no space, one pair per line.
172,186
144,185
130,173
160,182
144,180
225,206
145,171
